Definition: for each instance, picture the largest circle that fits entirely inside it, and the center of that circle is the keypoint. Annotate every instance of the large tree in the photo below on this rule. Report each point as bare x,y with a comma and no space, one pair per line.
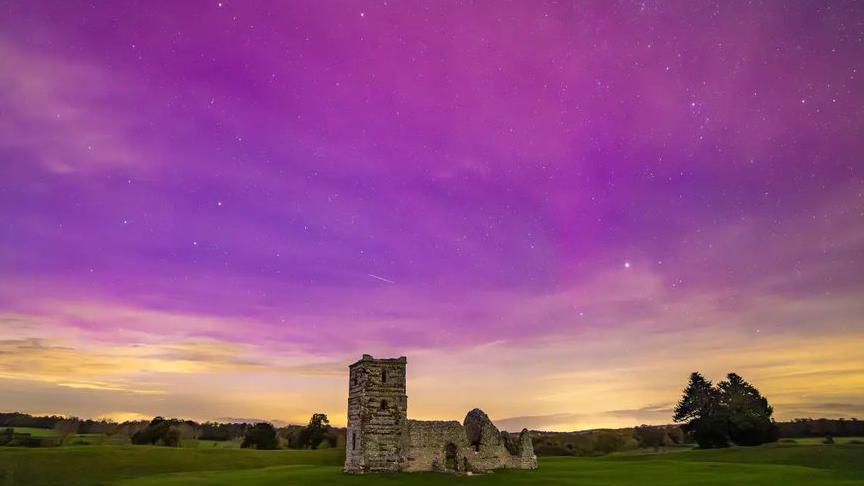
312,435
701,410
748,412
734,410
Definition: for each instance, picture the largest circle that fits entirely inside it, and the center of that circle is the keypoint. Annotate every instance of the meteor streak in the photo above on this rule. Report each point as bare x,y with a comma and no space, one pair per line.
381,278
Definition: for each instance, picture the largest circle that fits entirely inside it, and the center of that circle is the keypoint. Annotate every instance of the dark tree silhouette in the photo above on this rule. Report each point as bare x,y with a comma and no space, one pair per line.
312,435
733,410
700,408
260,436
159,431
748,412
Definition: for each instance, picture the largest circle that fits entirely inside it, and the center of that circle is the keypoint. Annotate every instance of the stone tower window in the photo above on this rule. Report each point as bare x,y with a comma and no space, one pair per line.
353,440
383,404
383,376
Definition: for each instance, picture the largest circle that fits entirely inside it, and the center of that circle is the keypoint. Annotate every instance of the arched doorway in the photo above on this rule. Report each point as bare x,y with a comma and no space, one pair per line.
450,463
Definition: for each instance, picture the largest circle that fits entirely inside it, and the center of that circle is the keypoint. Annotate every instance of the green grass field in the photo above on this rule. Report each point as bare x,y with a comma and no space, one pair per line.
100,439
35,432
72,439
198,443
818,440
787,464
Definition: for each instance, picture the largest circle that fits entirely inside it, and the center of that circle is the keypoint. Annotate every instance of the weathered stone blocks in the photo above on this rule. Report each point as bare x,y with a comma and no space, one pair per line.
381,438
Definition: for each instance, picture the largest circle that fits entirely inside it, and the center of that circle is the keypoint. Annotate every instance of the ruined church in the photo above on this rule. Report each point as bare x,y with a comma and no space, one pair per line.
382,439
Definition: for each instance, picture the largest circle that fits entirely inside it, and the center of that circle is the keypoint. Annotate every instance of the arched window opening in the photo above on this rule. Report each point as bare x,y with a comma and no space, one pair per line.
353,440
383,404
383,376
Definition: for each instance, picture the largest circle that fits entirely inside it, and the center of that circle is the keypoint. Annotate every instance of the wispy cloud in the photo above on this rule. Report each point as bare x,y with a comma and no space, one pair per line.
67,115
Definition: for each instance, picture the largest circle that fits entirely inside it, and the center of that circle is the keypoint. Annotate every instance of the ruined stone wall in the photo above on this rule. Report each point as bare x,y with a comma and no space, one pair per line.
477,446
425,446
354,460
493,449
521,450
380,438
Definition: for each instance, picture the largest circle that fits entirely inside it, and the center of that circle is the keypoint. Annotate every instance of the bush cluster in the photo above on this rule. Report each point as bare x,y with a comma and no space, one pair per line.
605,441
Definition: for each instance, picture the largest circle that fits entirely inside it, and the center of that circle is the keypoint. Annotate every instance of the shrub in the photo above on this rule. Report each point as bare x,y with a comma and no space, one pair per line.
654,437
261,436
6,436
171,437
610,441
159,431
676,435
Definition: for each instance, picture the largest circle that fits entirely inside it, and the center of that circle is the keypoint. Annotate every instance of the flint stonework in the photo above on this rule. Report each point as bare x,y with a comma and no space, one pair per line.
381,438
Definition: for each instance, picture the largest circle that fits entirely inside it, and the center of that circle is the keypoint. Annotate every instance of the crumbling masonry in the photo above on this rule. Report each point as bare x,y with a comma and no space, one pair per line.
382,439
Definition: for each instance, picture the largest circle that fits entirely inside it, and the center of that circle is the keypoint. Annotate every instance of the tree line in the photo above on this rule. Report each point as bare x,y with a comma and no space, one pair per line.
261,435
317,433
822,427
605,441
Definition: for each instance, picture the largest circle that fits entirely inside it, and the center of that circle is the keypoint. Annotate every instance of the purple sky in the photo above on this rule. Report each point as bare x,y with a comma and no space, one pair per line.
556,196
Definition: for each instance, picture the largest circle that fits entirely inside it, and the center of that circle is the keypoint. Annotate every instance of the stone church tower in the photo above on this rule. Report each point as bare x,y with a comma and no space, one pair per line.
382,439
377,415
